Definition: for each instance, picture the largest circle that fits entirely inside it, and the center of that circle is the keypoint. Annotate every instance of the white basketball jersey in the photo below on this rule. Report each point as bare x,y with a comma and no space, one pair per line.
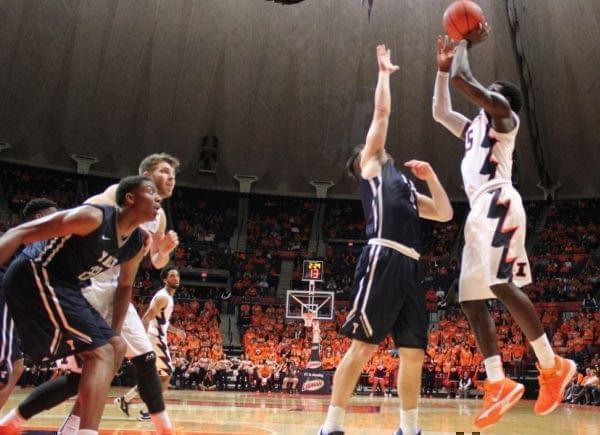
160,324
488,154
152,226
111,276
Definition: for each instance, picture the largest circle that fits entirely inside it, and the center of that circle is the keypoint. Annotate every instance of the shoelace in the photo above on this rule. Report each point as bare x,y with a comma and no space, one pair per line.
548,378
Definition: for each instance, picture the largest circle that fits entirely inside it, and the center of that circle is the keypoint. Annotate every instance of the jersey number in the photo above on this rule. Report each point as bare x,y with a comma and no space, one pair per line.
106,261
469,140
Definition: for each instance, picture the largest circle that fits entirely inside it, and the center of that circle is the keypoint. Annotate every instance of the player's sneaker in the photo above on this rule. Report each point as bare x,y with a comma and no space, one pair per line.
552,385
498,398
9,429
337,432
399,432
122,404
144,416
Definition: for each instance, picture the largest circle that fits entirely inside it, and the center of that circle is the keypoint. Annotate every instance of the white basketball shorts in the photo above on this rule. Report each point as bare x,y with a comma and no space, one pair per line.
494,251
100,295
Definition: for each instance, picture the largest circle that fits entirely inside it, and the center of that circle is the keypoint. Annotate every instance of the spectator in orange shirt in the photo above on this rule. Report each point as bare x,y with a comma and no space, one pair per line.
264,374
466,357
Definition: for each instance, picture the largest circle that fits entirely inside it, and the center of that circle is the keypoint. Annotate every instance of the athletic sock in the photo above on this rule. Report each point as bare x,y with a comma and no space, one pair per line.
543,352
493,368
335,419
87,432
408,421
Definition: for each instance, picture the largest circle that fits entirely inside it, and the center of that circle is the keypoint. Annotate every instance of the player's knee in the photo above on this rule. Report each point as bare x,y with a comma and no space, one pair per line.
119,346
104,353
145,364
502,291
149,385
362,350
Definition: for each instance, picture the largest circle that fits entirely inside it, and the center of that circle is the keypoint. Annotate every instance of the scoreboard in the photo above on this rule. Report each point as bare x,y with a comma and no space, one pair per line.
312,270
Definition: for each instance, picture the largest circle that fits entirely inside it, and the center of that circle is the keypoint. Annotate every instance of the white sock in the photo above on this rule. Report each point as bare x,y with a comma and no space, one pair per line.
161,421
87,432
335,419
131,394
408,421
493,368
12,419
70,426
543,352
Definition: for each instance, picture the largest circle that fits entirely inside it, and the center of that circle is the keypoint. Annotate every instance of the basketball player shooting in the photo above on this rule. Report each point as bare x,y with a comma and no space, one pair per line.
494,261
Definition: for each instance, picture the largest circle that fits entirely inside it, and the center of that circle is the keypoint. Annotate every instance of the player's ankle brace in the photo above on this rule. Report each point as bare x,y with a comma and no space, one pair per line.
49,394
149,386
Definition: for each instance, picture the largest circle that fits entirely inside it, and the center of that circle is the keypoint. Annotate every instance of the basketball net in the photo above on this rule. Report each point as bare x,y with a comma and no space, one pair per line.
310,322
308,318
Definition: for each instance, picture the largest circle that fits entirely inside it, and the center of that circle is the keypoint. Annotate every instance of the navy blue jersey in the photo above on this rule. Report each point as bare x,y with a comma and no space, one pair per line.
390,205
73,259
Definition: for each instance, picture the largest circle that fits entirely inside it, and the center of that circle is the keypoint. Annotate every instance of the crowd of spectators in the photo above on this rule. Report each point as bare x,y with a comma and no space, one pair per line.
344,220
572,227
21,184
563,263
280,224
254,274
584,389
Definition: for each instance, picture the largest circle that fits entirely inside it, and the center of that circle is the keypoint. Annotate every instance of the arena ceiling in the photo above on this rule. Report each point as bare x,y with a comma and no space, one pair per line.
286,89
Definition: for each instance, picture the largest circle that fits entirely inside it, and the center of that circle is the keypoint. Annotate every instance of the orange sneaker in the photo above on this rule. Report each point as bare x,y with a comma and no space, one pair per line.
498,398
9,429
552,385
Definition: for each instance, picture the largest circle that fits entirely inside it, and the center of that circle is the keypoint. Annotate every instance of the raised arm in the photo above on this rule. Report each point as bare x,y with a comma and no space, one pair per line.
79,221
375,143
455,122
437,207
493,103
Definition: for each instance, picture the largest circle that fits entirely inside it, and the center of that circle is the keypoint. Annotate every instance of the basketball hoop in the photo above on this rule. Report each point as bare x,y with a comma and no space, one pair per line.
308,317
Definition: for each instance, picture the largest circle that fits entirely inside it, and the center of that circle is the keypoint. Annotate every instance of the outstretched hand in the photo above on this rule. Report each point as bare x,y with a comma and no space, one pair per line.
384,60
420,169
446,48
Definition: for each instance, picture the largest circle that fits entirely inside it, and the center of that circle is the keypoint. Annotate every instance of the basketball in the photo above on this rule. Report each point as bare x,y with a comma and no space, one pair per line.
461,18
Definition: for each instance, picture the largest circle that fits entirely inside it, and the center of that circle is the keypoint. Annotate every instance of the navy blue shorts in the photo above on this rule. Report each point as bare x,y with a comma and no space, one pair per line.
10,346
52,317
387,299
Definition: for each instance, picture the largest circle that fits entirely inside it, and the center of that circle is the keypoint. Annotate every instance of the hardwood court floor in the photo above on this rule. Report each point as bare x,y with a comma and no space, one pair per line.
252,414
